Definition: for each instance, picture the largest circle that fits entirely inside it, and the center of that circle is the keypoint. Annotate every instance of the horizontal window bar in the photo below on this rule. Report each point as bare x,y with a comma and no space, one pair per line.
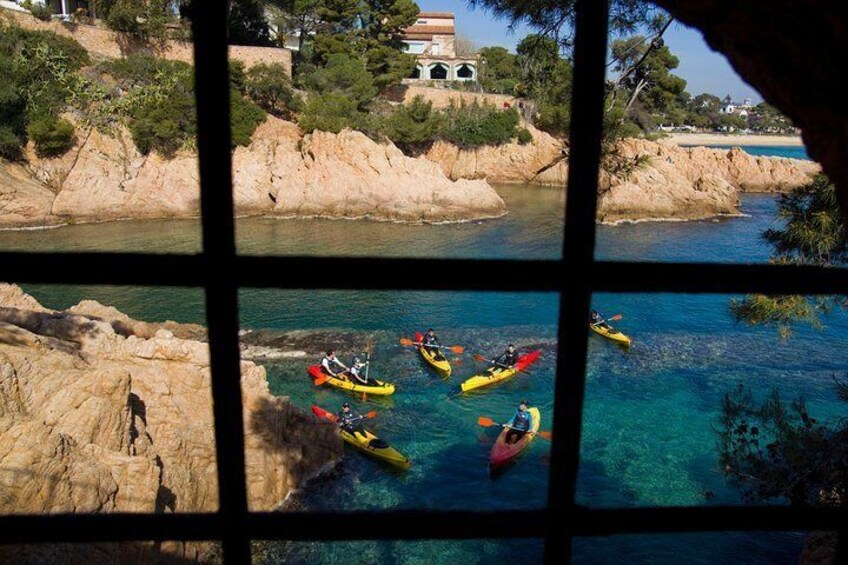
418,274
411,524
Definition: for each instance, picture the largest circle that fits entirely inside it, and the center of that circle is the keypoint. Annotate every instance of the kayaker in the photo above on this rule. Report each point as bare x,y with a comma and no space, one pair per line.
506,359
329,361
431,344
349,420
596,319
519,424
356,371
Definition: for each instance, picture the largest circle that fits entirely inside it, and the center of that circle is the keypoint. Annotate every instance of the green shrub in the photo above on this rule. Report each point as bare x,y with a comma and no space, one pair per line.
40,10
345,76
125,16
52,136
524,136
270,88
472,125
146,19
238,75
10,143
332,112
245,117
162,115
413,124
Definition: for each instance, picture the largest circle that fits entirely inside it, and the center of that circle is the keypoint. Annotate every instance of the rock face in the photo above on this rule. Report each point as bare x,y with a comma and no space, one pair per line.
98,420
670,182
281,173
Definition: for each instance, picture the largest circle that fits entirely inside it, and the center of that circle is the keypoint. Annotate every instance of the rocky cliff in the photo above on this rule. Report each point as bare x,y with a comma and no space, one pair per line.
649,180
282,173
101,413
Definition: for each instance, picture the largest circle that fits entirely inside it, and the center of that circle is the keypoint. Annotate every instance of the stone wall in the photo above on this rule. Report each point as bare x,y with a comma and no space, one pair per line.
442,97
104,43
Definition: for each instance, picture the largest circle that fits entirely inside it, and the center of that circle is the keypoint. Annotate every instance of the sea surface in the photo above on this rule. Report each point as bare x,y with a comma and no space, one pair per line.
648,433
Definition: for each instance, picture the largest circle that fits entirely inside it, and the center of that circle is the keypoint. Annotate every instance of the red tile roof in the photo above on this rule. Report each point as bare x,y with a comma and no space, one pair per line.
436,15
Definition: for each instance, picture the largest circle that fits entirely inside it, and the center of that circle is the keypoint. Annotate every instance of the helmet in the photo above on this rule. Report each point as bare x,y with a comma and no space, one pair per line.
346,405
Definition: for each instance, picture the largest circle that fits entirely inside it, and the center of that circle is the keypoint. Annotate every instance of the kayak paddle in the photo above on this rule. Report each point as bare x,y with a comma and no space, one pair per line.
479,358
615,318
453,348
488,423
323,378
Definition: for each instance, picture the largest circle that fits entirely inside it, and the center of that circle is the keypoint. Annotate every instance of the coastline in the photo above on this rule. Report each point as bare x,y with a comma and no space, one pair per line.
720,139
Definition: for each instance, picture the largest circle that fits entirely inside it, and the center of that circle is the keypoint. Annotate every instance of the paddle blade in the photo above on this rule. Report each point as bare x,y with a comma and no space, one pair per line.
457,361
479,358
320,380
485,422
457,348
546,435
616,317
371,414
405,341
364,397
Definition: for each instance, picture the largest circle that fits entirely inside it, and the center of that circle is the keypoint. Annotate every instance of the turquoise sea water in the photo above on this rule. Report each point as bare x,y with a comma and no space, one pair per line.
791,152
647,439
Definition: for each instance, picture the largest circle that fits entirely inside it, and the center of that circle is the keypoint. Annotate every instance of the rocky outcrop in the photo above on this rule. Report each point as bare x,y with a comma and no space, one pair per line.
98,420
282,173
649,180
24,202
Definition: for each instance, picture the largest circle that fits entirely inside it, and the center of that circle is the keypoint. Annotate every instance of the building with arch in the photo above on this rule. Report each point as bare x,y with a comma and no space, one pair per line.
432,39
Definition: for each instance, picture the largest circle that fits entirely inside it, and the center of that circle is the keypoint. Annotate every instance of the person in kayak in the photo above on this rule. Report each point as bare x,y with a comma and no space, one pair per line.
329,361
520,424
356,371
349,421
506,359
432,345
595,319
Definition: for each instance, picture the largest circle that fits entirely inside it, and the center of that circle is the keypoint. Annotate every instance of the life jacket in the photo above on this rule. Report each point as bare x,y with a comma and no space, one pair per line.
521,420
346,418
328,362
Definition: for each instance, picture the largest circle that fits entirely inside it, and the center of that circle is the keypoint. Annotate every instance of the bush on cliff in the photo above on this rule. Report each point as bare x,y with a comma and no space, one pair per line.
245,117
52,136
270,88
343,75
473,125
147,20
413,125
332,112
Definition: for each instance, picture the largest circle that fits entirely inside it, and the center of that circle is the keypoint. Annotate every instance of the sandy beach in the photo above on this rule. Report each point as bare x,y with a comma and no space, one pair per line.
713,139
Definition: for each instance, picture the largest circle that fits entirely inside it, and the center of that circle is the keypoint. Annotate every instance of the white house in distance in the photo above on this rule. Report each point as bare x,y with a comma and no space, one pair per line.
432,39
63,9
728,106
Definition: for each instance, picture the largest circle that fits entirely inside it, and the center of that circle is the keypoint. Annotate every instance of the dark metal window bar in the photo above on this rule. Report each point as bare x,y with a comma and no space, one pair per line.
220,271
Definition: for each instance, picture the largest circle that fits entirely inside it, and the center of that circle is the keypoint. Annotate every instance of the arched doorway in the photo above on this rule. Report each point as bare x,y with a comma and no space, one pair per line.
417,72
465,72
439,71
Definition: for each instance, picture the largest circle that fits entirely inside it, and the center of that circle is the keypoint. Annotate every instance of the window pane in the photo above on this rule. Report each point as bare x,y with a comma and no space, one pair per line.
695,162
399,552
424,418
98,125
724,547
432,134
100,411
653,432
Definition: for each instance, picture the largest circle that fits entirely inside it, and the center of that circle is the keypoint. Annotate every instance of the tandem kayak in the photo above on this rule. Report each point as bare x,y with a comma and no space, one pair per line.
503,452
373,387
494,375
435,359
368,443
610,333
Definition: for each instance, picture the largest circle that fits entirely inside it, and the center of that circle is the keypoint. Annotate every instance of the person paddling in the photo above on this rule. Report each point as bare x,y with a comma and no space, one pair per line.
356,371
329,361
519,424
349,420
506,359
595,319
431,344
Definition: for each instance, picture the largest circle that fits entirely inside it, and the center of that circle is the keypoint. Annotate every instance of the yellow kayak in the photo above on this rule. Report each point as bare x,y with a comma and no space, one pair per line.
374,386
442,366
368,443
610,333
493,375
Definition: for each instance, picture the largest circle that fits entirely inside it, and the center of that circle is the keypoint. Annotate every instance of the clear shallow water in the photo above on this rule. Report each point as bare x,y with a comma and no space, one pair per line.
649,412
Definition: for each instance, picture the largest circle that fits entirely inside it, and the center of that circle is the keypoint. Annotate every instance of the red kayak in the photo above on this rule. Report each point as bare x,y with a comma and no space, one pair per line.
503,452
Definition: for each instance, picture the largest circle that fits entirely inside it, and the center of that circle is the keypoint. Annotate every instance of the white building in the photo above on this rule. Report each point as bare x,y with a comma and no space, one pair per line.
432,39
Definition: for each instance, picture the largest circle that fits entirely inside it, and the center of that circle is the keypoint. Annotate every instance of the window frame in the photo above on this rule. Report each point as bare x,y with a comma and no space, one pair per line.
221,272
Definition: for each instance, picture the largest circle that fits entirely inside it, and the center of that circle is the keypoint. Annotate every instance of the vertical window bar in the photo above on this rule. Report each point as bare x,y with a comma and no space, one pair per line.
209,24
578,258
